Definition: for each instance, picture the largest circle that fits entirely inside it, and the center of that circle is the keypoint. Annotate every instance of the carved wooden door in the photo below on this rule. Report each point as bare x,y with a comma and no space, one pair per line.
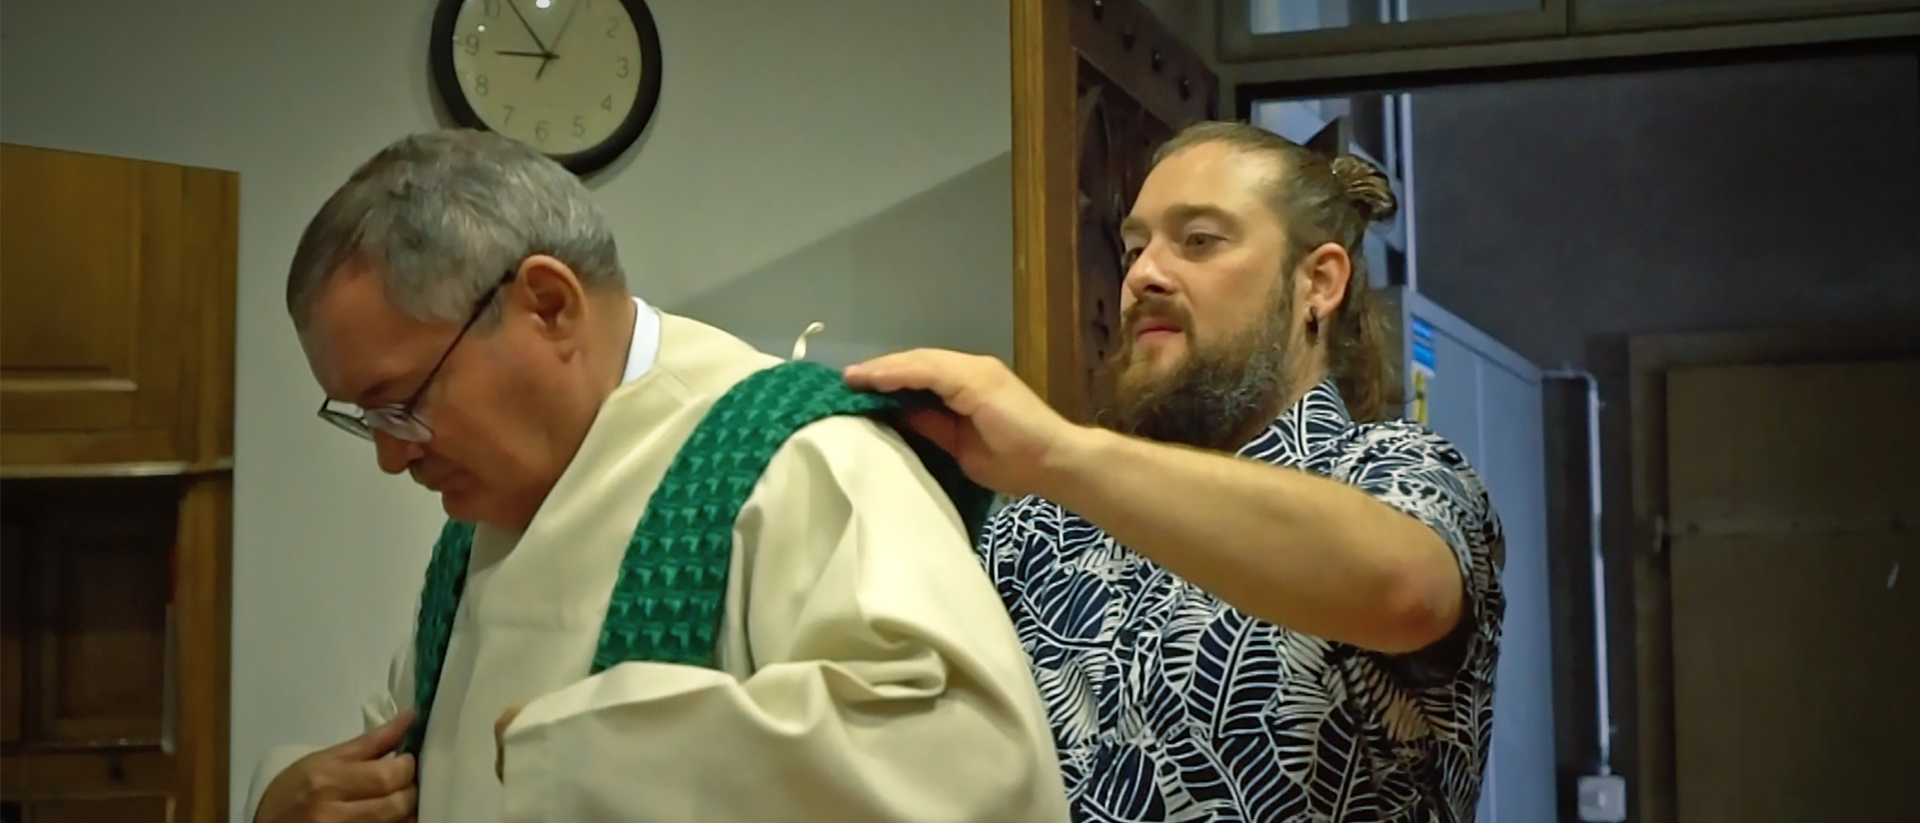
1098,85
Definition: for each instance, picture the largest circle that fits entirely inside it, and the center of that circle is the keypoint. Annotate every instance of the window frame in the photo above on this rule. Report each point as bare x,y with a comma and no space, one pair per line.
1589,16
1239,43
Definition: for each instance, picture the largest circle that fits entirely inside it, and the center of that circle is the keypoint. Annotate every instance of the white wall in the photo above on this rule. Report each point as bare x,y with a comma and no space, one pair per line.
841,160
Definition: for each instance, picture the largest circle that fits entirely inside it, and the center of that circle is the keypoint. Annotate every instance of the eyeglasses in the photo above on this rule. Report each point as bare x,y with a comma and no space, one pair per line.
400,419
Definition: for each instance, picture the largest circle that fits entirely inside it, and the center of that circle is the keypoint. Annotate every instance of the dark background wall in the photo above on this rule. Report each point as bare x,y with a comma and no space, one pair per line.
1735,197
1564,216
1567,215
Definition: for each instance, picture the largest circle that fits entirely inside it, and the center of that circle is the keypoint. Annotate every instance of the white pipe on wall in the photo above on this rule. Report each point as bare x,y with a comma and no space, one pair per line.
1601,678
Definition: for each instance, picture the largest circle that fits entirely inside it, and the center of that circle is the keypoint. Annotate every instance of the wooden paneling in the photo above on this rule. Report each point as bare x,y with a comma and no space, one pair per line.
202,603
92,300
1044,203
13,629
117,287
101,558
109,809
211,230
1133,51
90,787
1118,136
55,773
116,310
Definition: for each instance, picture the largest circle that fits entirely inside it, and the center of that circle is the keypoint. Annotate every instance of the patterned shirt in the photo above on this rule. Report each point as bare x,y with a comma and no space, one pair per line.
1168,705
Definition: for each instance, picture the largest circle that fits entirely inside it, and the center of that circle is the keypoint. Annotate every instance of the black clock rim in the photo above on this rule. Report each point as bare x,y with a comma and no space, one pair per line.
446,81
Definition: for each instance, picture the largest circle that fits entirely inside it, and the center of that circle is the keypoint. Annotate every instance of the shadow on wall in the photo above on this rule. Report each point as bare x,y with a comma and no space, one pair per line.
933,270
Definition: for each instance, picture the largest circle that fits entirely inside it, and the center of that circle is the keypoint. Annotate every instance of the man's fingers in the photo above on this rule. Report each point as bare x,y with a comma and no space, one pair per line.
379,740
393,808
929,369
371,779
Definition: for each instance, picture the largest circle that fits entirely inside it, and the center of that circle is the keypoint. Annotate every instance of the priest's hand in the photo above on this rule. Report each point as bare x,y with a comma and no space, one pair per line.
1002,434
500,740
353,782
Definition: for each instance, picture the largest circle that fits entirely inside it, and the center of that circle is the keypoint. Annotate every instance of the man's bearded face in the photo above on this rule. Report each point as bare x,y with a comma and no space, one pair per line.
1208,308
1210,394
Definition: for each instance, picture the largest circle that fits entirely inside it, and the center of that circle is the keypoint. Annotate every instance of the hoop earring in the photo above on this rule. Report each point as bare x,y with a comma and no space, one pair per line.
1313,322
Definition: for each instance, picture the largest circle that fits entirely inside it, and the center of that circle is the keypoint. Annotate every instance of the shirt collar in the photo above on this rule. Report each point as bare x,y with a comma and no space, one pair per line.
645,348
1318,416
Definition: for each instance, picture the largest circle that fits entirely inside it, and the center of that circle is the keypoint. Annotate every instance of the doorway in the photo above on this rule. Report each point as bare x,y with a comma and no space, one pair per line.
1772,487
1470,48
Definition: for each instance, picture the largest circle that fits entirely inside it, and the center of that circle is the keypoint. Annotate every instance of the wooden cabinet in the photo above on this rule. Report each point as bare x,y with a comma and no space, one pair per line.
105,306
104,786
13,627
116,380
97,556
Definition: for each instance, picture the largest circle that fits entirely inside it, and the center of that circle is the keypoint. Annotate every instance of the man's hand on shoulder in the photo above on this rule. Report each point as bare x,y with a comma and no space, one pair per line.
1003,435
352,782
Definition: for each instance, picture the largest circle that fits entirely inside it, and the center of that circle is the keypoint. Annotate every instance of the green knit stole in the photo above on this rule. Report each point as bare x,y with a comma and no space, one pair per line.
669,598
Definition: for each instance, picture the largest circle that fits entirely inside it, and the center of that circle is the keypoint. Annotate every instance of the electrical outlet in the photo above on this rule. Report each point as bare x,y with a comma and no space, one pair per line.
1603,798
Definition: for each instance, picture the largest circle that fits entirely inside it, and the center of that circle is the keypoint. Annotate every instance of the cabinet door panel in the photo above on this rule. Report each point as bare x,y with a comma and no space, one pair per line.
13,627
103,569
90,305
122,809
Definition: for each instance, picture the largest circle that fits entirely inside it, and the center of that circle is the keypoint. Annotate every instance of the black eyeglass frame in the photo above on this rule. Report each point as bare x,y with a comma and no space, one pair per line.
400,419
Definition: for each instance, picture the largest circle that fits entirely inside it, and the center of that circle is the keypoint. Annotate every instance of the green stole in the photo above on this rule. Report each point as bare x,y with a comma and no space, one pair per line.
670,596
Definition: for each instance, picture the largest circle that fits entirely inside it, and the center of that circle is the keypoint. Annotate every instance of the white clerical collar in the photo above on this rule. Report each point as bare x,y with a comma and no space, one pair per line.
645,348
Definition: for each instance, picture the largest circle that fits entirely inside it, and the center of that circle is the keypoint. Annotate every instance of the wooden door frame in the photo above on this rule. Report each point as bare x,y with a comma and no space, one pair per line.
1046,348
1649,357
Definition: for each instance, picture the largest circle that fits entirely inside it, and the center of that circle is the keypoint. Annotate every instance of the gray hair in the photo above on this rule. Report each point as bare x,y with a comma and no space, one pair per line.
443,216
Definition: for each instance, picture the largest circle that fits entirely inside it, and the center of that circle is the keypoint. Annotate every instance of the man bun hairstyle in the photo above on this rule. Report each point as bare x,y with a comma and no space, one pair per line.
1366,186
1322,200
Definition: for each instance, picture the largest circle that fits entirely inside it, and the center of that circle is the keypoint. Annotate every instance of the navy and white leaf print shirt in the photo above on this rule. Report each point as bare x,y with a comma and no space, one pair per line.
1168,705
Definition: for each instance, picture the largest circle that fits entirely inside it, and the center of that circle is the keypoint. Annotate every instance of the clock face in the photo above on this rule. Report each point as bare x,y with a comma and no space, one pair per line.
563,76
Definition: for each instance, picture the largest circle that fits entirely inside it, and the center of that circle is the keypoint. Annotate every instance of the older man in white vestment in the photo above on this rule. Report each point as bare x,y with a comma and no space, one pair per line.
460,302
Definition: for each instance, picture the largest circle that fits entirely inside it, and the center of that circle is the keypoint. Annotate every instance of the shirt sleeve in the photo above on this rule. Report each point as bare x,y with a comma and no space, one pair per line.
1423,475
887,683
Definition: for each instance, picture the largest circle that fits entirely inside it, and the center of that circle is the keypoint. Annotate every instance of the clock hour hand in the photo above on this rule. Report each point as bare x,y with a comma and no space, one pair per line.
540,55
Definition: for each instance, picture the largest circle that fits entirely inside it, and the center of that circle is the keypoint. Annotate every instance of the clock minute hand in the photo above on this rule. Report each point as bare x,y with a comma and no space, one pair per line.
564,24
551,54
529,27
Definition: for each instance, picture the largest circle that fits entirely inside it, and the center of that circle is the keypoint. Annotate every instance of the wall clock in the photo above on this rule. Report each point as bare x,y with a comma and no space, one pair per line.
576,79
